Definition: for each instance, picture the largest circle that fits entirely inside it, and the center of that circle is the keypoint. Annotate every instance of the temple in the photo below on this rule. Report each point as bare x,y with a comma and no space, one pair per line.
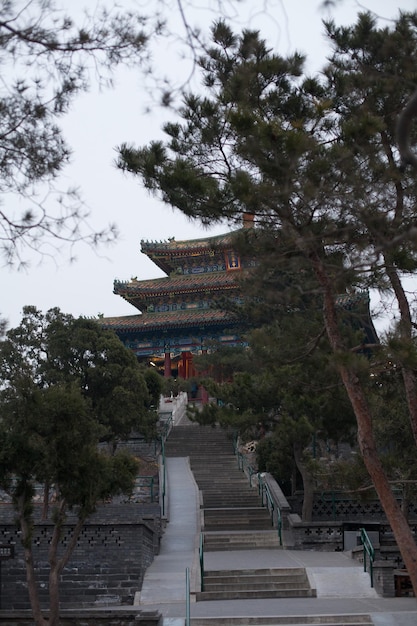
179,314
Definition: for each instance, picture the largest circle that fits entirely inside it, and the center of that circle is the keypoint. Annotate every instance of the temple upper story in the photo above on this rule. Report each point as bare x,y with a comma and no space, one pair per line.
185,312
180,312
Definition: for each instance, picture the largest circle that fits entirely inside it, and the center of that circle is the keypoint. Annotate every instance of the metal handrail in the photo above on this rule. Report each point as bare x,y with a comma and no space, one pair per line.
151,482
268,501
187,597
242,463
369,550
166,428
164,475
201,555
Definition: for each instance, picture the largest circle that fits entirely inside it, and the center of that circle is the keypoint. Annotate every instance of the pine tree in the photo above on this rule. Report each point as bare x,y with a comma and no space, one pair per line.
264,139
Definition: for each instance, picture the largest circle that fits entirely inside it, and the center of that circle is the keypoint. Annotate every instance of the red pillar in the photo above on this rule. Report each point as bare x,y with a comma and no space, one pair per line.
186,366
184,356
204,395
167,365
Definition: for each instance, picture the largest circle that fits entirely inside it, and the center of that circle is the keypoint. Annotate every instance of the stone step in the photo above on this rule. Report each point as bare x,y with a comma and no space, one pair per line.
224,483
286,620
236,524
238,503
226,472
228,490
261,539
266,571
254,512
175,449
256,583
207,596
223,473
212,439
234,519
246,582
228,487
210,496
218,467
232,472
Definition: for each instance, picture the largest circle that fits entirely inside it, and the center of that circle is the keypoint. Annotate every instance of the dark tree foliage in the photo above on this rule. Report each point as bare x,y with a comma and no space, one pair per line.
47,60
284,393
67,385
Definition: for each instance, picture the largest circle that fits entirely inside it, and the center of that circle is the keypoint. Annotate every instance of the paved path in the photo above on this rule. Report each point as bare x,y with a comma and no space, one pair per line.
164,580
342,586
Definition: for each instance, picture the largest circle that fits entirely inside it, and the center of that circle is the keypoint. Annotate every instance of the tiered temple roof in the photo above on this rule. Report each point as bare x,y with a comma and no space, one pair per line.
192,318
178,312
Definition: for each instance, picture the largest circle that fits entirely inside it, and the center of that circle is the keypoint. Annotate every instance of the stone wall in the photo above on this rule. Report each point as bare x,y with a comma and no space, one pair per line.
119,617
336,506
314,535
114,549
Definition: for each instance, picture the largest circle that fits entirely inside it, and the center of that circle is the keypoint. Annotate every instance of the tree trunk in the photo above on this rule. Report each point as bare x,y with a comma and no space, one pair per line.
58,564
38,618
45,508
53,596
357,397
406,332
405,501
308,484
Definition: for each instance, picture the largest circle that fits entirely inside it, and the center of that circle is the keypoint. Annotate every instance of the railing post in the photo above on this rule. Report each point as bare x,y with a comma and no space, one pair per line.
262,492
364,557
369,550
268,501
187,597
163,475
201,552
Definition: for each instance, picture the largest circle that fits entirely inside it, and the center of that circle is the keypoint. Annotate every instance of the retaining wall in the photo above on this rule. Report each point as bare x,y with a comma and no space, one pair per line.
114,549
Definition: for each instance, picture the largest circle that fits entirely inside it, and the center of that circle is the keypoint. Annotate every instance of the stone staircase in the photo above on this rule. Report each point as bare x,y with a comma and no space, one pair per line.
233,517
250,584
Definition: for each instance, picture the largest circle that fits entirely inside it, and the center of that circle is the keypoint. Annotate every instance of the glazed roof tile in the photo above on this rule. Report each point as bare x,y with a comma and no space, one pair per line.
166,254
172,246
167,320
190,283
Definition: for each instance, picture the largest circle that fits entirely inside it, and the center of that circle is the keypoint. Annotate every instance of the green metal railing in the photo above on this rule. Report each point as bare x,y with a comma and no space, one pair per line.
243,465
166,428
164,477
369,550
147,481
263,487
187,597
201,555
268,501
163,435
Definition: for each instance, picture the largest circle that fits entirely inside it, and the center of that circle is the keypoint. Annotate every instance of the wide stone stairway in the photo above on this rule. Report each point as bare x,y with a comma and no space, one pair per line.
232,518
232,515
244,583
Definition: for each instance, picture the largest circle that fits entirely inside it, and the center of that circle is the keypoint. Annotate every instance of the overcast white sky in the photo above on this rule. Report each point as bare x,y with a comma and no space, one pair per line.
99,122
